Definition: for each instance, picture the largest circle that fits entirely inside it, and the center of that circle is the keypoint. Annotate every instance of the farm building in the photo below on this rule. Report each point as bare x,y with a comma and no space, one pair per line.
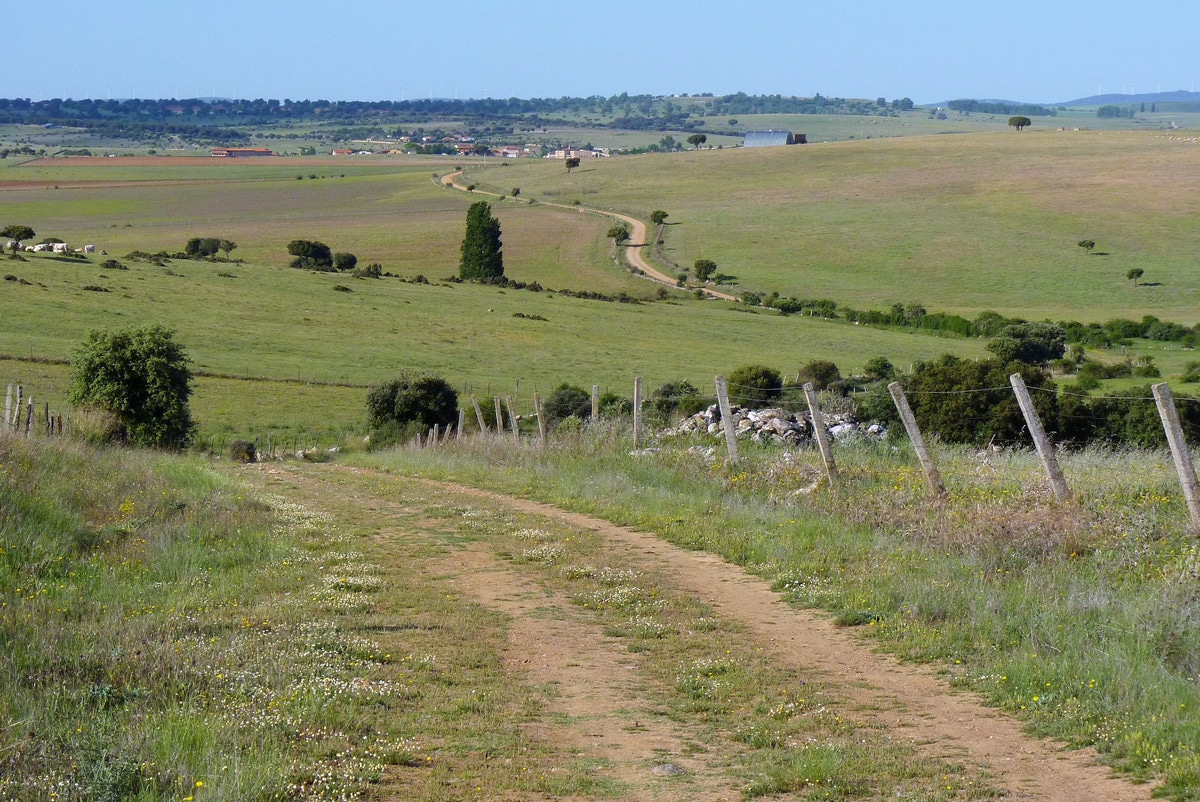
769,139
237,153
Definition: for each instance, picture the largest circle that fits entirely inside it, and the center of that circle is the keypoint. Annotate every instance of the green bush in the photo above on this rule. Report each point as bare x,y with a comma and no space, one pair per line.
755,386
964,401
615,405
426,400
676,398
141,376
821,373
566,401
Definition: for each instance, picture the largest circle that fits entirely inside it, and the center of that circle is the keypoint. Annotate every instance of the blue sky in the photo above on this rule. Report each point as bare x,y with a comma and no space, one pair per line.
929,50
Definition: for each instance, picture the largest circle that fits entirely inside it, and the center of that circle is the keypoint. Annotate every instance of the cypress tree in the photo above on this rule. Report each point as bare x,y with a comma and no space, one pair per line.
481,255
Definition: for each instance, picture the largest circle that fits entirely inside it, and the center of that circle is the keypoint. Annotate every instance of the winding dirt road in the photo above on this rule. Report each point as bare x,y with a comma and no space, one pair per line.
598,683
634,247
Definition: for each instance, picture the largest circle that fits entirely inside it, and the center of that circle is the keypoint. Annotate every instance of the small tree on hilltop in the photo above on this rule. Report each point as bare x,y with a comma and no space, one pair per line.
1134,274
696,140
1020,123
1087,244
618,234
141,376
310,255
344,262
658,217
704,269
572,163
482,257
202,247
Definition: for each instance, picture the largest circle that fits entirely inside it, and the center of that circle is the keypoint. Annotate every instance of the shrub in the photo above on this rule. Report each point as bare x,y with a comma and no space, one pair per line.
373,270
423,399
821,373
755,386
344,262
615,405
242,451
565,401
1031,343
141,376
676,397
879,368
310,255
964,401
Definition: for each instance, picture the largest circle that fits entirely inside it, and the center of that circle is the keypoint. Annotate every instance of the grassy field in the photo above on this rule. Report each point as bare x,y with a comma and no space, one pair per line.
963,223
956,223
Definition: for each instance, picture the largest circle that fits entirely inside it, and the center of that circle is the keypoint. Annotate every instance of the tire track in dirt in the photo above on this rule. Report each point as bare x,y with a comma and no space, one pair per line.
596,707
597,710
908,700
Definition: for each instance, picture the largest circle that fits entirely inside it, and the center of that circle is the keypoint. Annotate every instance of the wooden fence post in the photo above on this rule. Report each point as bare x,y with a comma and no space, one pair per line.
932,477
820,433
1045,449
727,419
537,407
595,401
29,416
478,415
462,414
637,412
1179,450
499,415
512,418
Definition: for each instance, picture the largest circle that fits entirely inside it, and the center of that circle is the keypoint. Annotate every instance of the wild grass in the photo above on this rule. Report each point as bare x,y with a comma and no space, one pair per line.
167,635
1075,617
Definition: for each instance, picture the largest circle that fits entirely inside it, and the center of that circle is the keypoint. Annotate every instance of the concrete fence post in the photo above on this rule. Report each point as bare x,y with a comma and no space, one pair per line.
1045,449
1179,450
932,477
821,433
727,419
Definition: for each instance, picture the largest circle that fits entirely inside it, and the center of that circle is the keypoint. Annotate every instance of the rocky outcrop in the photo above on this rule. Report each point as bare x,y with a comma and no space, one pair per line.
774,425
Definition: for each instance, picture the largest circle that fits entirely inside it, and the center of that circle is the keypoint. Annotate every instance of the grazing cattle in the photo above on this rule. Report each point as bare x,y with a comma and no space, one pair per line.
60,247
89,248
30,249
42,247
11,245
77,250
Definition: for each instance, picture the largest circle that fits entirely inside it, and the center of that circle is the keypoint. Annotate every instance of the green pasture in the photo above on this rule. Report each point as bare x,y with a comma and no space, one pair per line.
957,223
280,323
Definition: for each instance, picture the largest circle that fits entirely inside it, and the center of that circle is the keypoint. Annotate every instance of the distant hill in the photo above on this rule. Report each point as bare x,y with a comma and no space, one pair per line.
1178,96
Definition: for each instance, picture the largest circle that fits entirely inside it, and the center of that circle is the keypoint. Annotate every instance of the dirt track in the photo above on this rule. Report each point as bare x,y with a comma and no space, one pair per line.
634,247
907,701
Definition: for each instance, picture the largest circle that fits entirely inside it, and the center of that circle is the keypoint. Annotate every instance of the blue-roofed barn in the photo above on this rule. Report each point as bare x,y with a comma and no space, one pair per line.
770,139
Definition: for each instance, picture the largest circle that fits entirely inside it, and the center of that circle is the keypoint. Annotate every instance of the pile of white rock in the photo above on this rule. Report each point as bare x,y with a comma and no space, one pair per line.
775,425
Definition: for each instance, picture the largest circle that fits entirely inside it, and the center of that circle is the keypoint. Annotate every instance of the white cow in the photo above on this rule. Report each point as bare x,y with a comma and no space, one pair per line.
61,247
41,247
30,249
11,245
89,248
